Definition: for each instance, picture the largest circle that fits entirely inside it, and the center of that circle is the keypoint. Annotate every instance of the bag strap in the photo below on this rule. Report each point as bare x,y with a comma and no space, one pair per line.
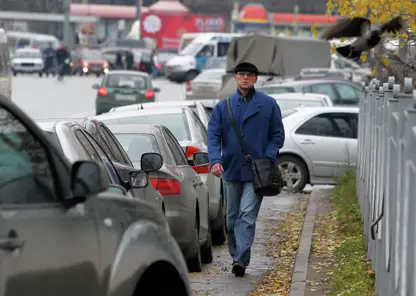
237,132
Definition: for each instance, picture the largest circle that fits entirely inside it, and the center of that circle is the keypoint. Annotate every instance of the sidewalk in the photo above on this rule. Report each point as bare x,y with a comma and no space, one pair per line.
216,278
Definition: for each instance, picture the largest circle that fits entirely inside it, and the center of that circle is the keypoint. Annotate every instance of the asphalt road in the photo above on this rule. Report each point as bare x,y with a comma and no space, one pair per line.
74,97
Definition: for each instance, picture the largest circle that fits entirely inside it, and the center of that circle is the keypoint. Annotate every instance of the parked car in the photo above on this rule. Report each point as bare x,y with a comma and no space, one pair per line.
120,88
61,226
191,133
201,109
87,61
320,145
162,58
296,100
27,60
341,92
206,85
186,196
78,144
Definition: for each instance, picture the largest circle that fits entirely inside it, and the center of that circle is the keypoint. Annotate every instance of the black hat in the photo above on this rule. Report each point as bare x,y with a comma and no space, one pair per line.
246,67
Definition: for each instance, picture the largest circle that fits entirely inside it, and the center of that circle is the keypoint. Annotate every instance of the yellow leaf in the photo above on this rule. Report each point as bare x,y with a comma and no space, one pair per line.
386,61
364,58
314,30
373,71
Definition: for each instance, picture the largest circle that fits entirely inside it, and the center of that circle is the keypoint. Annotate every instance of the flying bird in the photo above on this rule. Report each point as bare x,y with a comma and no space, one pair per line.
367,36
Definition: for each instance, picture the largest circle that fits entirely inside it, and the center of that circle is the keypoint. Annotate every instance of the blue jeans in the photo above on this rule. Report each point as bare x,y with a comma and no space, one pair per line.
243,206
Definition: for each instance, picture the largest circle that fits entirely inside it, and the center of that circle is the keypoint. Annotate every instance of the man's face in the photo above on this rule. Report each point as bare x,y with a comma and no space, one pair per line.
245,80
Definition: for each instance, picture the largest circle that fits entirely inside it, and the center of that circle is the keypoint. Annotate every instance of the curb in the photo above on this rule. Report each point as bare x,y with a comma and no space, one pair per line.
300,271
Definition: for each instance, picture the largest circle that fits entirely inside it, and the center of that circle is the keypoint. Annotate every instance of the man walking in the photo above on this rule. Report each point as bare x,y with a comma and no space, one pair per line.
259,120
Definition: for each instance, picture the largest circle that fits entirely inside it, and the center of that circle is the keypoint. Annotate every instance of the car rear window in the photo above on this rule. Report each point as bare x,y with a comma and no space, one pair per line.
137,144
277,90
176,123
126,81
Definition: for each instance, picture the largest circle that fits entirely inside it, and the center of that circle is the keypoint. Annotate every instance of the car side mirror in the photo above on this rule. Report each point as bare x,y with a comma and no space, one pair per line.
151,162
200,162
156,89
88,178
95,86
138,179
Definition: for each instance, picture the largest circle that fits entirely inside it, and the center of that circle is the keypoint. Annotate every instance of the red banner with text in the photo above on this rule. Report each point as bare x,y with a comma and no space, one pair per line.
167,29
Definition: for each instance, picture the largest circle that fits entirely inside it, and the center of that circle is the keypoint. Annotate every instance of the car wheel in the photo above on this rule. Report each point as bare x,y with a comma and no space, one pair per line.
194,261
294,172
219,235
206,249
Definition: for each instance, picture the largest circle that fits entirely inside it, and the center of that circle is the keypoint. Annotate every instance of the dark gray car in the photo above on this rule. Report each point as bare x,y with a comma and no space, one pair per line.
61,233
186,197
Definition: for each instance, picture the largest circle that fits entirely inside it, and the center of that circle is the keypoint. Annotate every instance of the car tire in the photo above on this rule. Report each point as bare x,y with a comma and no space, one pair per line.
297,166
219,235
206,249
194,261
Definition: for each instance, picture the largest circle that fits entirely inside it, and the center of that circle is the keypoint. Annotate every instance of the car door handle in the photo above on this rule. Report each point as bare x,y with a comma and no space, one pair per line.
307,142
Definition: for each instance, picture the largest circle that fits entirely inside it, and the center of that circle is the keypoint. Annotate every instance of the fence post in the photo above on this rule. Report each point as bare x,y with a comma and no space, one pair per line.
405,102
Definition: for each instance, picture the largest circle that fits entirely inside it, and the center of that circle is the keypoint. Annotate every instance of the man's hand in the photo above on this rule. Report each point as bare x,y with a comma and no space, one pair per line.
217,170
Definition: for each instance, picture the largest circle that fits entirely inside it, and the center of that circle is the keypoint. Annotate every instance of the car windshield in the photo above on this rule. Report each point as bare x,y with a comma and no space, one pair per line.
210,75
126,81
138,144
28,54
93,56
176,123
277,90
191,49
290,103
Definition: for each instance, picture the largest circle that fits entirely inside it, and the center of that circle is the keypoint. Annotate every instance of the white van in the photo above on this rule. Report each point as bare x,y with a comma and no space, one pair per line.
187,38
5,67
191,60
32,40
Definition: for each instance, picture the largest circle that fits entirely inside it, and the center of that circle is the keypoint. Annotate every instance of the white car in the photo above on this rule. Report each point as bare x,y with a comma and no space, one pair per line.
27,60
320,145
297,100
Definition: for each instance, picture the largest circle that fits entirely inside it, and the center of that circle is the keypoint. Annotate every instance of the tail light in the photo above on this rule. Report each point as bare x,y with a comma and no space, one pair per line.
159,66
190,150
149,94
102,91
188,86
166,186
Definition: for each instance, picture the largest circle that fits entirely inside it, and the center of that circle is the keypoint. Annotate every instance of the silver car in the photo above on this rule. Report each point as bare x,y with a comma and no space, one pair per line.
63,233
202,109
320,145
191,133
296,100
205,86
77,144
186,196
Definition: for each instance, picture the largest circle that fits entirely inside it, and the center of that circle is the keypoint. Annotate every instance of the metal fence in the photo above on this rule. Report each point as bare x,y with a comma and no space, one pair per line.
386,184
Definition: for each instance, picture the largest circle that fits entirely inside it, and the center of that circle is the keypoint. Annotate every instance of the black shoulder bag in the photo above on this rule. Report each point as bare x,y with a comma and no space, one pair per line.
267,179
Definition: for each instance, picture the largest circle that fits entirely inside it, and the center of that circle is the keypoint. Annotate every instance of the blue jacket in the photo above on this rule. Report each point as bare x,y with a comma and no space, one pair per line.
261,128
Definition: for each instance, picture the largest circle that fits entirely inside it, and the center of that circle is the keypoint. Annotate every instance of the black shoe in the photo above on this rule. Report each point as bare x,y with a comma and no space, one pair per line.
238,269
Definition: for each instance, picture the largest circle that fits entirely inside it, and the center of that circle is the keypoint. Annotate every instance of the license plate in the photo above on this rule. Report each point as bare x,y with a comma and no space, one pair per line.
126,97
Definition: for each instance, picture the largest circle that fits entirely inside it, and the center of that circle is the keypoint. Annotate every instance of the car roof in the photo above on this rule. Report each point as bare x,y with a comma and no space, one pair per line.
127,72
154,105
300,96
308,111
28,49
306,82
138,112
144,128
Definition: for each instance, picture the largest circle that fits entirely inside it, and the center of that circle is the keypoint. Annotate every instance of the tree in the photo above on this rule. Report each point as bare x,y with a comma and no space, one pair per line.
395,55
